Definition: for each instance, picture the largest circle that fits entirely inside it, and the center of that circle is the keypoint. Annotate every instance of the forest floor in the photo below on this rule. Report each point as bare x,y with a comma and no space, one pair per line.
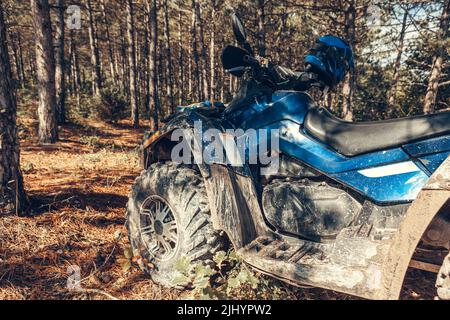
78,189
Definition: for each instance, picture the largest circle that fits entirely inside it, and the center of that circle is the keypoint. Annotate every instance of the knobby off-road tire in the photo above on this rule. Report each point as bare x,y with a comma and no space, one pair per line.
443,280
181,191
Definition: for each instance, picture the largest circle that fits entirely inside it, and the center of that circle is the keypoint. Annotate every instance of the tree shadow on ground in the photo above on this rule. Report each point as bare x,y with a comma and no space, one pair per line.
127,126
76,198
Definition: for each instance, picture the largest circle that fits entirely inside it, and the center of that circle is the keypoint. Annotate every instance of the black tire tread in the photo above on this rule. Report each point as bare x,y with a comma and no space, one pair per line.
187,187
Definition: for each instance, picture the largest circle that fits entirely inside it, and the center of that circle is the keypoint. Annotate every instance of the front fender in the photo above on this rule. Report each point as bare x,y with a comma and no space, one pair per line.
155,146
231,191
158,146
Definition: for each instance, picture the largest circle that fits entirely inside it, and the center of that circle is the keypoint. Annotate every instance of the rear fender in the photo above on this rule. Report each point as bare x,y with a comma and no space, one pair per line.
433,199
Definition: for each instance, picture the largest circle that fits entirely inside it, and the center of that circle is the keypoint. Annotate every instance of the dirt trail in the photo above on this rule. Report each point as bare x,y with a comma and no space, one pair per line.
79,189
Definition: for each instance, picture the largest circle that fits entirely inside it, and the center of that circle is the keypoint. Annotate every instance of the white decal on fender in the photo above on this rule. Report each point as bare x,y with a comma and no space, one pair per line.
390,170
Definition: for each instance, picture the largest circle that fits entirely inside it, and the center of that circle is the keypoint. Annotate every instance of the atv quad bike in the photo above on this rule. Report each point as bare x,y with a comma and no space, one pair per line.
351,207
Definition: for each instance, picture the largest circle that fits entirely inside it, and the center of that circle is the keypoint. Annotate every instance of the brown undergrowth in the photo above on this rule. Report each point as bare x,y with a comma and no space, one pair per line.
78,190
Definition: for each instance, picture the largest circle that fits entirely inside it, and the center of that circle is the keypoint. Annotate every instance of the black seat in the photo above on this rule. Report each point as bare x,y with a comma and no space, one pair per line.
351,139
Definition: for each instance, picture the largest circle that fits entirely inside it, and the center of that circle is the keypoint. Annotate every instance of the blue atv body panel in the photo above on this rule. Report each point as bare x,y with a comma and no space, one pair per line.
387,176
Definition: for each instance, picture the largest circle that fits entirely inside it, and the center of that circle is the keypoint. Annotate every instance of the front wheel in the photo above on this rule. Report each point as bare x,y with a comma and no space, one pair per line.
168,218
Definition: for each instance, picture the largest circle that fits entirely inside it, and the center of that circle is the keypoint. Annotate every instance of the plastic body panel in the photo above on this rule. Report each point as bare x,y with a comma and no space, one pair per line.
431,153
286,112
284,105
390,188
362,261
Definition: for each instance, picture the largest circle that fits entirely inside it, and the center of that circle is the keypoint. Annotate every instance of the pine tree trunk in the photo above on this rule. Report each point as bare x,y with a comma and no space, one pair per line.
132,62
22,66
12,194
148,77
70,73
162,79
168,58
146,66
436,68
392,97
123,63
190,75
196,66
181,76
260,10
153,64
15,57
110,45
60,64
347,95
204,73
18,59
139,64
31,65
212,53
45,69
348,86
76,69
95,54
222,85
75,64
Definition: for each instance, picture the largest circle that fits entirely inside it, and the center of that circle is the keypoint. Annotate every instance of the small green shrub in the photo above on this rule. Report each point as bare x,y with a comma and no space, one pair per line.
27,102
24,132
79,110
91,141
111,106
230,278
27,168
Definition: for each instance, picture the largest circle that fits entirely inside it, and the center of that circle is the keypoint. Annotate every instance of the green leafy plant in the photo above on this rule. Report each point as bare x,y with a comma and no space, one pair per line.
111,106
228,278
28,167
91,141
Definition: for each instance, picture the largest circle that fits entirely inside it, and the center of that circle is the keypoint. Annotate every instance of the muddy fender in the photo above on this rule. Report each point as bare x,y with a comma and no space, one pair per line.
434,197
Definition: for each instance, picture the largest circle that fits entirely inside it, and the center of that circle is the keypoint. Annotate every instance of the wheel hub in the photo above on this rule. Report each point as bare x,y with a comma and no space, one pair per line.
158,228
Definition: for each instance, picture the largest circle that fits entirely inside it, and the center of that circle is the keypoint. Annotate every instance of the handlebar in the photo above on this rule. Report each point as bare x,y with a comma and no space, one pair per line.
262,70
252,61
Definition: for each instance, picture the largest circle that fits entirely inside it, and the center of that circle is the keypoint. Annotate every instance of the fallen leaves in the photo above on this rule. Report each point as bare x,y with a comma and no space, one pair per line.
79,195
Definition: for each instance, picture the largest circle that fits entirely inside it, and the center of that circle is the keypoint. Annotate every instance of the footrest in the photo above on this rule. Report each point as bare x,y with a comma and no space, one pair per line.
301,262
